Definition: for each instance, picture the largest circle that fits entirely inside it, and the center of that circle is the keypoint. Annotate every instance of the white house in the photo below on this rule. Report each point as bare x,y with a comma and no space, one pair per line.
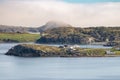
110,52
70,47
73,47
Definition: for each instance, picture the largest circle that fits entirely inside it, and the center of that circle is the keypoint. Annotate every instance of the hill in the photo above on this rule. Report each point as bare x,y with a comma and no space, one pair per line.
53,24
73,35
17,29
65,35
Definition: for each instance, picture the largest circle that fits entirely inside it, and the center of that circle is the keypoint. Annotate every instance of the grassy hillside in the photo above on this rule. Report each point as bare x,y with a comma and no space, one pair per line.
17,37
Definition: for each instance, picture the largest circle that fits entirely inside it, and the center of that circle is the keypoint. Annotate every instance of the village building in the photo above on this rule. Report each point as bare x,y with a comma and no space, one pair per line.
108,52
70,47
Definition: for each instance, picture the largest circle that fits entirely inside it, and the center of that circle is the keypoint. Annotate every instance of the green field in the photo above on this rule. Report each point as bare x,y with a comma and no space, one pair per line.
117,52
17,37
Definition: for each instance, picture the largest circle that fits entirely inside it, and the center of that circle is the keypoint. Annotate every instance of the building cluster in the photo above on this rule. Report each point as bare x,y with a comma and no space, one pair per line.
70,47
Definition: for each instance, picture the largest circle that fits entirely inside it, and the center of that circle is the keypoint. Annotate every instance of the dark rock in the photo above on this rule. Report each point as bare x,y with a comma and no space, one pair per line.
9,41
111,44
22,51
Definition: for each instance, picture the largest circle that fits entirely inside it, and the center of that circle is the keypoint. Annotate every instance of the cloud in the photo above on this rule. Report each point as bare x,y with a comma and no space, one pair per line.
38,12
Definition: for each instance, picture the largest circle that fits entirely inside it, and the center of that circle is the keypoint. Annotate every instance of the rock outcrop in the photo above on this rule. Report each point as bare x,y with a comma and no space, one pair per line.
29,50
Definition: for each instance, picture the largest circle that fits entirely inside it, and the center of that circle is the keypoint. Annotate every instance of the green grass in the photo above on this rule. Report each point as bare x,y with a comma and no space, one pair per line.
42,48
93,52
117,52
24,37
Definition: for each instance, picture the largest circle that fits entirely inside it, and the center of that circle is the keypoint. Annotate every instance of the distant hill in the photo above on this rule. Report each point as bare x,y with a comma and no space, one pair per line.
16,29
21,29
53,24
12,29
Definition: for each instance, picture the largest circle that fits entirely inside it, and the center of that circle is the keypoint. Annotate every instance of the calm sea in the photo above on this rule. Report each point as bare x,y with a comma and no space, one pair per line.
17,68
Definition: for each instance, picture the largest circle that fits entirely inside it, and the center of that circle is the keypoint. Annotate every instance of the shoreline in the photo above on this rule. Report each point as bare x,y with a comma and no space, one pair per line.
67,56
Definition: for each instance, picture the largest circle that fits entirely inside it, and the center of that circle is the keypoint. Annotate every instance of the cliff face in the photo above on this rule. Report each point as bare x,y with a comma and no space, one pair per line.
31,50
23,51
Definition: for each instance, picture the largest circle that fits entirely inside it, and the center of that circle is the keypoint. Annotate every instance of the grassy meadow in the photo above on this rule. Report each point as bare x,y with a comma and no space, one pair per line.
18,37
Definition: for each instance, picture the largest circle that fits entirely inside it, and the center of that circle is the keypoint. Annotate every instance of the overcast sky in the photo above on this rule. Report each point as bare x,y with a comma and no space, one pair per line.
80,13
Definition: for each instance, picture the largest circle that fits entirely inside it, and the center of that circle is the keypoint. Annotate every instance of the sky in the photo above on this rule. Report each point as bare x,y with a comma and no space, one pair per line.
90,1
78,13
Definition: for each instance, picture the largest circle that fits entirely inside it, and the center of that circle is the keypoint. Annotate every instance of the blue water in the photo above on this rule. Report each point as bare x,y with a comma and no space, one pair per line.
81,46
17,68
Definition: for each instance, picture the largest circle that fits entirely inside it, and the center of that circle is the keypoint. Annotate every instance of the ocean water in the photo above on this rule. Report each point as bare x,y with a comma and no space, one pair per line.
92,68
